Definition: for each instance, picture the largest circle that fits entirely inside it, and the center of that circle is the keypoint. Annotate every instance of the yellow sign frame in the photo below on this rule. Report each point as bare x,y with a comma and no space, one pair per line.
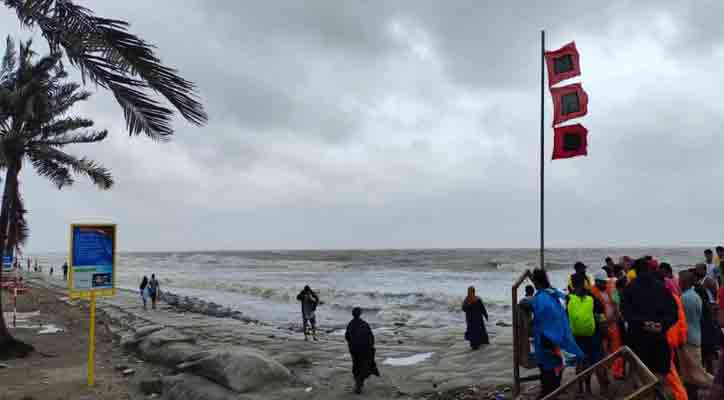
87,294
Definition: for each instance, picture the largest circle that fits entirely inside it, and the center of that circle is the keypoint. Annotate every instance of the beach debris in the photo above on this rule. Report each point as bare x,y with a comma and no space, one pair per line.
128,371
3,366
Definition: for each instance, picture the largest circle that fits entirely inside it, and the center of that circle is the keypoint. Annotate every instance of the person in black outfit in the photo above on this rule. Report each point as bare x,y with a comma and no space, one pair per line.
650,310
474,309
361,344
143,291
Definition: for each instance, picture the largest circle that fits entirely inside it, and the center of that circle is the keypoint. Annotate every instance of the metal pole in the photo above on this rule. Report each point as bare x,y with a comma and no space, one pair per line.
542,149
92,340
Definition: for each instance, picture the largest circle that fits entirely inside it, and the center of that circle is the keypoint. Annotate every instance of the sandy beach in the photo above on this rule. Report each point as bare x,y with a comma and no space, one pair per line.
415,363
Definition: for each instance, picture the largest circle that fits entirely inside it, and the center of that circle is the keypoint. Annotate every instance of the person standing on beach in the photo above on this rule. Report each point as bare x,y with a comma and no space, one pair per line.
609,267
650,310
551,332
142,288
692,372
361,344
587,315
580,269
475,311
153,290
704,286
309,301
606,294
65,271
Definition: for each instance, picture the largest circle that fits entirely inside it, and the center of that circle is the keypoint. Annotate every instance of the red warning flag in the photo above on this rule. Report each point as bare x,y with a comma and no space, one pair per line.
569,102
562,63
570,141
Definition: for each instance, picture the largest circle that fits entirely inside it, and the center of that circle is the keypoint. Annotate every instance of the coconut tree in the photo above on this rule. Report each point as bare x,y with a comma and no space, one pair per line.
36,126
107,54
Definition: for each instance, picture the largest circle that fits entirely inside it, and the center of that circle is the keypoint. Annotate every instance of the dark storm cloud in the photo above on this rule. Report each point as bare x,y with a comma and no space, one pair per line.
408,124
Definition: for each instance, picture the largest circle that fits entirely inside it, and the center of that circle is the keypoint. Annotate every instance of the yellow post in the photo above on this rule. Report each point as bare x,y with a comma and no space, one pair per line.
92,340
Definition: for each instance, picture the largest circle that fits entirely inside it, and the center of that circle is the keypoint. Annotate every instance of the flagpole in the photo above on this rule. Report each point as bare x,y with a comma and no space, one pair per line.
542,149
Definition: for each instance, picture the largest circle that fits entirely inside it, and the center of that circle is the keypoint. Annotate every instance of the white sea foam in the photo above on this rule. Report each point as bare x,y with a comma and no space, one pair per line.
407,361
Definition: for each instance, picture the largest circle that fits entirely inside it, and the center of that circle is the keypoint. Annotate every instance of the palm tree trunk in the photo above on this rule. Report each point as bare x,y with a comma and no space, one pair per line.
9,346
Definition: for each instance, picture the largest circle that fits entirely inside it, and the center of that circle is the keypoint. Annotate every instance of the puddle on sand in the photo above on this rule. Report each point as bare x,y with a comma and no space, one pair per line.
50,329
407,361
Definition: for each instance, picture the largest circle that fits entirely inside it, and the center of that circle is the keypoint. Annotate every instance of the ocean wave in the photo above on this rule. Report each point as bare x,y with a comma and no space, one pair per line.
376,301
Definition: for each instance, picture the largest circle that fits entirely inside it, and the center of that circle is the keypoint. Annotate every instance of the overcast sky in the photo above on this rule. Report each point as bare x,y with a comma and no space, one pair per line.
377,124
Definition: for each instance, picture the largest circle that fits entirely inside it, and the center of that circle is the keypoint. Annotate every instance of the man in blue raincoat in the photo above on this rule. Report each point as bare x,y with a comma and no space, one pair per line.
551,332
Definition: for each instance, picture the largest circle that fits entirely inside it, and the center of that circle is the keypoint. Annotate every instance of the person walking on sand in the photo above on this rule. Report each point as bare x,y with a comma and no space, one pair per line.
153,290
361,344
551,332
65,271
474,310
309,301
142,288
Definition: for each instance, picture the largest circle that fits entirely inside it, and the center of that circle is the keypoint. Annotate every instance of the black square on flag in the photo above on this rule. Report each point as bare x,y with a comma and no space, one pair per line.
572,141
563,64
570,103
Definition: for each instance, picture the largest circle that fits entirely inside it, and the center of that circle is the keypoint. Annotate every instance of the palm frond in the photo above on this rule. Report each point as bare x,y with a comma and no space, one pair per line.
59,175
8,62
98,174
106,53
73,138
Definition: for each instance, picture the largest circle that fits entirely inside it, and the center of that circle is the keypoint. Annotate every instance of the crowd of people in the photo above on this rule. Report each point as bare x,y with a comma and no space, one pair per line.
670,321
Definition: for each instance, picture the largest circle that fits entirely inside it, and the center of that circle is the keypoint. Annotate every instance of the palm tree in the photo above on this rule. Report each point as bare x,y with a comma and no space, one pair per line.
35,127
115,59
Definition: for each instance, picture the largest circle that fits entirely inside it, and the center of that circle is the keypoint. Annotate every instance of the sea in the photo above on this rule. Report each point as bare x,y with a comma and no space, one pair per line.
412,288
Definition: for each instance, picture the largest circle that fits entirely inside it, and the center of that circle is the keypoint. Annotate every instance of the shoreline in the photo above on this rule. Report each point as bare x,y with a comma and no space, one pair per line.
317,369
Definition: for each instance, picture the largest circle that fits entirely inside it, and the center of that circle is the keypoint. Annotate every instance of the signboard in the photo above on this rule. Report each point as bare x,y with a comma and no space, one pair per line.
92,266
8,260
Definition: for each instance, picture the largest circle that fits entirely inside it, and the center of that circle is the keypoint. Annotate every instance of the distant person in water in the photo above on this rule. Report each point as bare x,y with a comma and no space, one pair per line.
309,301
65,271
153,290
361,344
474,309
142,289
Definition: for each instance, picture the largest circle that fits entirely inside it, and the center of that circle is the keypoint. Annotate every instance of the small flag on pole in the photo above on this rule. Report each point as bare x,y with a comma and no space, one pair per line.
562,63
570,141
569,102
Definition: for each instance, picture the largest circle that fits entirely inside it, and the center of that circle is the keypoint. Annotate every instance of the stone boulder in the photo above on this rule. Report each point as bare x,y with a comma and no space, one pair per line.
192,387
172,354
241,369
